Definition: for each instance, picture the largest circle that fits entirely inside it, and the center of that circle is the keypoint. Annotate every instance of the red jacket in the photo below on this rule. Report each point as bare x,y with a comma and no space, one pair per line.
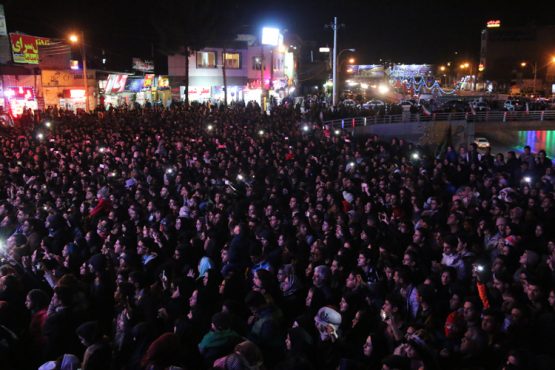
103,205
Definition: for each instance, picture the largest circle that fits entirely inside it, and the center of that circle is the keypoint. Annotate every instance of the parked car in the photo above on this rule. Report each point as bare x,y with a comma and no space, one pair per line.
373,104
482,142
411,102
480,106
349,103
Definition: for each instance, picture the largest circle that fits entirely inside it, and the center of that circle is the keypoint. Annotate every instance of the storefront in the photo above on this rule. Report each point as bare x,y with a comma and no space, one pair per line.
120,89
65,88
234,93
73,99
19,98
196,93
115,86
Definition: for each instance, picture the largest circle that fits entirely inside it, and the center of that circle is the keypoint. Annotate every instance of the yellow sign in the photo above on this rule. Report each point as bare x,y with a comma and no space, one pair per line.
25,48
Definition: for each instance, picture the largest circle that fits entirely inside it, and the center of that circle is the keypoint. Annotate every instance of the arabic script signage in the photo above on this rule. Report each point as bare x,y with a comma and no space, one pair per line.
25,48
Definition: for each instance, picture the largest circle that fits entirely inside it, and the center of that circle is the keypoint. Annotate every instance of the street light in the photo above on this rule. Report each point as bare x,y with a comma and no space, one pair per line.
334,76
469,66
270,36
535,71
74,39
351,60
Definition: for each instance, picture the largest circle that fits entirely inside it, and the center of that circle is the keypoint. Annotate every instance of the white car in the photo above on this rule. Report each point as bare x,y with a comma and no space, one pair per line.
349,103
373,104
482,143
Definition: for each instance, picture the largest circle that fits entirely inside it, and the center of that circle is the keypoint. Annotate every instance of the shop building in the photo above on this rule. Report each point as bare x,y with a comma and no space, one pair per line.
251,70
127,89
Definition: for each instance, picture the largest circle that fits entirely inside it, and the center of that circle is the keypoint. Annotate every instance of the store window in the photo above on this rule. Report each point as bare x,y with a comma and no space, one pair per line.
206,59
233,60
256,63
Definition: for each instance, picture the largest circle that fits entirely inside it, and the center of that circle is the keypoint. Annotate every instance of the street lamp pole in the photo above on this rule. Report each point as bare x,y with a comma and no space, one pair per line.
334,68
262,87
339,67
85,79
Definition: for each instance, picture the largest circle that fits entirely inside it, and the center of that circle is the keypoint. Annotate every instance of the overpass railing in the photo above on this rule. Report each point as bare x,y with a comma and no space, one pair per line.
490,116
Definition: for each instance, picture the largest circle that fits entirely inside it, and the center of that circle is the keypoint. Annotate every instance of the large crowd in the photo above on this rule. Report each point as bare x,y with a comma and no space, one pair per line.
210,237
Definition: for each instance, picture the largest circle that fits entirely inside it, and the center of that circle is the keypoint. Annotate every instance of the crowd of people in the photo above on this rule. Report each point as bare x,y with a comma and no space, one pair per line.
199,237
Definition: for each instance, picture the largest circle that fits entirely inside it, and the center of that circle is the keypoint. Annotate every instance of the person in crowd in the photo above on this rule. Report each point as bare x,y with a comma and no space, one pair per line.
147,237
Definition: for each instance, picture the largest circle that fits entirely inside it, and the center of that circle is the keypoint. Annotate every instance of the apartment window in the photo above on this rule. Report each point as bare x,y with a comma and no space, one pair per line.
206,59
232,60
256,63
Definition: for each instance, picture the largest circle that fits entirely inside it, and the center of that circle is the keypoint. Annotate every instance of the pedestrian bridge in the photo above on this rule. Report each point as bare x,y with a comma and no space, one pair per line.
460,128
490,116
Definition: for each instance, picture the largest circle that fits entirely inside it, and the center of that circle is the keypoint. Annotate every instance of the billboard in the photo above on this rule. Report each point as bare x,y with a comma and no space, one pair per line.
25,48
116,83
408,71
143,65
149,79
367,70
134,84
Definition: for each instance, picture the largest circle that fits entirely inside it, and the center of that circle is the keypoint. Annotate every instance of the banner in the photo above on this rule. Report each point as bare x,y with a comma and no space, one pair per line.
143,65
163,83
149,79
25,48
116,83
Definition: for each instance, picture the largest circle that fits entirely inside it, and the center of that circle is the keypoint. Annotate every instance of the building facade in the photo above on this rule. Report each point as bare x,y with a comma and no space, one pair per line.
253,72
518,59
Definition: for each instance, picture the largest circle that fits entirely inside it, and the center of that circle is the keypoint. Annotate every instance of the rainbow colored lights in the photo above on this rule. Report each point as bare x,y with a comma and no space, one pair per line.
537,140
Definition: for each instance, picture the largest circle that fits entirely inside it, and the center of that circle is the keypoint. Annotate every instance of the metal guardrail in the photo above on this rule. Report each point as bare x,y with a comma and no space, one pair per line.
490,116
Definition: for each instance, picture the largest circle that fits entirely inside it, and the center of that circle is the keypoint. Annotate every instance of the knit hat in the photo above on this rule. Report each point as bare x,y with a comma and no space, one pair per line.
221,321
88,331
98,262
532,258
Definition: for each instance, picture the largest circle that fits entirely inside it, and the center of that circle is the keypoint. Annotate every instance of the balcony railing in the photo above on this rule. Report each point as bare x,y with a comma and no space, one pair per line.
490,116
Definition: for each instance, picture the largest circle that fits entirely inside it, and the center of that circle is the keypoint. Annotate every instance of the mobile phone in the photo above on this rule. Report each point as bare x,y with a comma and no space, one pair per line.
383,315
479,268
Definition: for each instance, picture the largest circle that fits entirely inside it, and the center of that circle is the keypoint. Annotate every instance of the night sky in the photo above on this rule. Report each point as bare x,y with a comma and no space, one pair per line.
400,31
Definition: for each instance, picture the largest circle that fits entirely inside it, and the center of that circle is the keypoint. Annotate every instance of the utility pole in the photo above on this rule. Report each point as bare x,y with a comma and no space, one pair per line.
262,95
334,68
85,78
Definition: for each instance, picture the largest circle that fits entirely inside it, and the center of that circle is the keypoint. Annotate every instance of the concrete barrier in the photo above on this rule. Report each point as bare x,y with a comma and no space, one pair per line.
423,133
